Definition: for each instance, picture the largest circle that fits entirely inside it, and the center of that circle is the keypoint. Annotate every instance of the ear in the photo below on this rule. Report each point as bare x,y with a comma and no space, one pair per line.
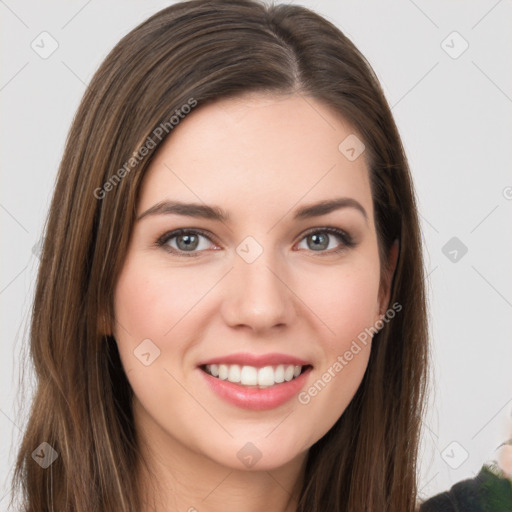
387,277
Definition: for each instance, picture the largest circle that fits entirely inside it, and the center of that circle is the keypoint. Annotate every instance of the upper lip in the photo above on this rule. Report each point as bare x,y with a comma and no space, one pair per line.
258,361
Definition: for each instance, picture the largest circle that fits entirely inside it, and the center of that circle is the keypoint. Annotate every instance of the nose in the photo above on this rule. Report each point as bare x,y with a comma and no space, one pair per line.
257,295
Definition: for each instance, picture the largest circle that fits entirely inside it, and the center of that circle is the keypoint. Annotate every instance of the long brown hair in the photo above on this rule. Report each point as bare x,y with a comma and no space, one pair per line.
192,53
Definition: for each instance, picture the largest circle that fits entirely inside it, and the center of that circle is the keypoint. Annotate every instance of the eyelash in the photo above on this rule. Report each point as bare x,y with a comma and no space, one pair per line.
347,240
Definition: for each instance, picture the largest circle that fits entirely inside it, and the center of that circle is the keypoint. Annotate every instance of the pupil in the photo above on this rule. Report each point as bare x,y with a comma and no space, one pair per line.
317,242
188,242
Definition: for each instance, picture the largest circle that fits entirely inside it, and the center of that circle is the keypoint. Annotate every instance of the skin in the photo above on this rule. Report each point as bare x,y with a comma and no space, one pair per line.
259,158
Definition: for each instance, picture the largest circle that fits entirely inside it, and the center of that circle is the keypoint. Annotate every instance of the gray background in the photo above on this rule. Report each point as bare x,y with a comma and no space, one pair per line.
454,115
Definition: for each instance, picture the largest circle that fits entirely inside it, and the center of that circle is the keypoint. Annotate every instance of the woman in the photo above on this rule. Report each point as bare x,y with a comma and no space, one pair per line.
230,309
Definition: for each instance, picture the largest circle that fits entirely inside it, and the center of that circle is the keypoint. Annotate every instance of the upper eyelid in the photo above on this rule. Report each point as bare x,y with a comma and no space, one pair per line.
180,231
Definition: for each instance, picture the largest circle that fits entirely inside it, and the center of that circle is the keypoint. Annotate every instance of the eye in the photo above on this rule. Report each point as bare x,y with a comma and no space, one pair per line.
189,242
184,241
318,240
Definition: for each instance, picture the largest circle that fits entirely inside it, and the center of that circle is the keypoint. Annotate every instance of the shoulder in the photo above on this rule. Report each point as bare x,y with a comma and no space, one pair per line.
487,492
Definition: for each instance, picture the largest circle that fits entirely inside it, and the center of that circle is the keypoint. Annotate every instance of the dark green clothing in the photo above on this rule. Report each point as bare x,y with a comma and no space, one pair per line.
487,492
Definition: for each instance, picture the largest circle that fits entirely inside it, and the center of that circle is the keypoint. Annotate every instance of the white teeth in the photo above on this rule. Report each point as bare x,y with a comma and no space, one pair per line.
214,370
288,373
223,372
249,376
234,374
279,374
252,376
266,376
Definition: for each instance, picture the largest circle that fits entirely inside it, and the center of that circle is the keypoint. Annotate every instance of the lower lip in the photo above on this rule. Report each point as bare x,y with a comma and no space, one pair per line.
256,399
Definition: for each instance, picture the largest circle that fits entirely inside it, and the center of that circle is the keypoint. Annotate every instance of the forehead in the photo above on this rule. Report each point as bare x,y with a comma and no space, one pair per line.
258,152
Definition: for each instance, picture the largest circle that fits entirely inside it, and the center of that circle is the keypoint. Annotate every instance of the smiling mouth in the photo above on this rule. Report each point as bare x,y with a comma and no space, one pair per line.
252,377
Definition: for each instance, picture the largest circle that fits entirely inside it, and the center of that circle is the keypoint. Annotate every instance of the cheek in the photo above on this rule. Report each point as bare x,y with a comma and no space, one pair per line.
150,301
142,311
162,304
345,301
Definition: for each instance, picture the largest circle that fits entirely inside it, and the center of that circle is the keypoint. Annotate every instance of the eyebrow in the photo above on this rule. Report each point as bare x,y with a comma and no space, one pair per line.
204,211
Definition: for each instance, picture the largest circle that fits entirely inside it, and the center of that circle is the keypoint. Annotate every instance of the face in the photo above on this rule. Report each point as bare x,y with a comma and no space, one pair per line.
271,289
